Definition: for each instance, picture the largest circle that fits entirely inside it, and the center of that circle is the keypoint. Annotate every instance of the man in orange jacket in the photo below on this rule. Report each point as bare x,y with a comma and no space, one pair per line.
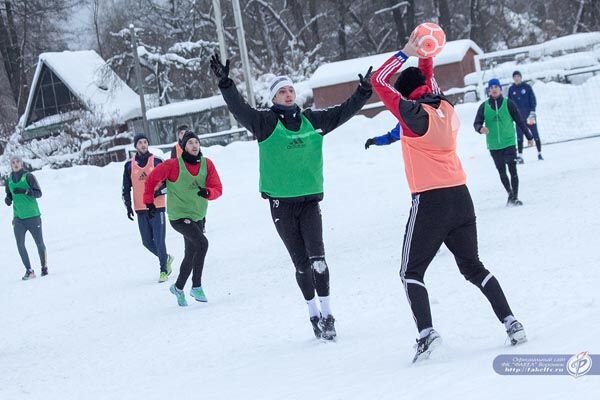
442,210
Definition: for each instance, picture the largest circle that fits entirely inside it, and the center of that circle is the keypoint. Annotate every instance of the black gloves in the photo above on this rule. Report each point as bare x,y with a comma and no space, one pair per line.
8,201
20,191
151,210
369,142
129,213
221,71
365,81
203,192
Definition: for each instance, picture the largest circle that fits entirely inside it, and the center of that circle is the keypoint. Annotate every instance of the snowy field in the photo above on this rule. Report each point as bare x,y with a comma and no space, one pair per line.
101,327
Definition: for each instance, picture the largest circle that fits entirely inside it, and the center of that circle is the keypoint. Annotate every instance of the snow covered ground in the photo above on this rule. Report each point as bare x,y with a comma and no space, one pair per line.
100,327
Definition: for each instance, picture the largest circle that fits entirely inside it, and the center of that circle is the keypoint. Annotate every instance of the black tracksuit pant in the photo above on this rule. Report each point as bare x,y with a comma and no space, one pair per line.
300,227
444,216
196,246
34,226
536,136
503,158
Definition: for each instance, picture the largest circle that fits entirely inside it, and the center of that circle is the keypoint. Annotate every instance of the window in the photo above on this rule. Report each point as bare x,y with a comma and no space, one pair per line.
51,97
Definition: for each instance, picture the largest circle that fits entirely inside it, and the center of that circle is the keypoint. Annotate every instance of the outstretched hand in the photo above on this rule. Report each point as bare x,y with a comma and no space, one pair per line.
221,71
365,81
369,142
411,47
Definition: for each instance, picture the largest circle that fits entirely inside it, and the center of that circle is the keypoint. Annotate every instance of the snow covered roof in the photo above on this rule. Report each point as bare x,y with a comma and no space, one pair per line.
94,83
185,107
550,67
564,44
348,70
556,57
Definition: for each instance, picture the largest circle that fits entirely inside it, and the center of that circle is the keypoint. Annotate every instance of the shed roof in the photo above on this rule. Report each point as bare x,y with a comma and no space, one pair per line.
185,107
92,81
348,70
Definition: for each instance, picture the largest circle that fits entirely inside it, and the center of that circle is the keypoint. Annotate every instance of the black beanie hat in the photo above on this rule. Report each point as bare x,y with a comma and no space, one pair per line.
408,80
187,136
138,137
517,73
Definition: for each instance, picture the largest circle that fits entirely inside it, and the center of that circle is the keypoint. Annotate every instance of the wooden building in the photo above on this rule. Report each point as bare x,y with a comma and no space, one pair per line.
334,82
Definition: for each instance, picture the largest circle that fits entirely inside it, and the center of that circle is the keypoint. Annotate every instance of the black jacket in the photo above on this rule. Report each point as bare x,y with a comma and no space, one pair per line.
142,160
34,187
512,109
262,122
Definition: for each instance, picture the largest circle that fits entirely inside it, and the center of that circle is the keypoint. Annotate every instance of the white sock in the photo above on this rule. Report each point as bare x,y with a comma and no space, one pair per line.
520,155
508,321
424,332
313,308
325,309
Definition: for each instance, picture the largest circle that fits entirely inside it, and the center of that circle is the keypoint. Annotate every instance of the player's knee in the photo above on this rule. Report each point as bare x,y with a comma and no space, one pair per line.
474,272
319,265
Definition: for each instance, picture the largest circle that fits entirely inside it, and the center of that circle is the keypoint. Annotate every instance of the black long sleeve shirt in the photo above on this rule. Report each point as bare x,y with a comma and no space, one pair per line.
262,122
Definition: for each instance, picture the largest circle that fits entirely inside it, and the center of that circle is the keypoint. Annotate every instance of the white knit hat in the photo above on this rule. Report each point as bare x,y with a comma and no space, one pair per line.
277,83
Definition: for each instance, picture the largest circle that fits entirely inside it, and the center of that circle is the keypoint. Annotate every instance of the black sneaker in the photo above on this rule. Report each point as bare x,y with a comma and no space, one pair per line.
426,345
30,274
520,160
516,333
44,271
316,327
540,157
516,202
328,328
509,201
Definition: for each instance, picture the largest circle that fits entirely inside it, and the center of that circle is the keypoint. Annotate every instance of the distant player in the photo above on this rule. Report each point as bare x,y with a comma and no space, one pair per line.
496,119
152,230
22,192
177,150
522,94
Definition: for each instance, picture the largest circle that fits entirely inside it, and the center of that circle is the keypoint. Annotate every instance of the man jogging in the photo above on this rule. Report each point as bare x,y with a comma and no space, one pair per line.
496,119
152,230
192,180
290,144
22,192
522,94
442,210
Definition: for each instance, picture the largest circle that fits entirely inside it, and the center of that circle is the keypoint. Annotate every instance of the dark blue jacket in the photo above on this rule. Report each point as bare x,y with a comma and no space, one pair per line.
523,97
390,137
